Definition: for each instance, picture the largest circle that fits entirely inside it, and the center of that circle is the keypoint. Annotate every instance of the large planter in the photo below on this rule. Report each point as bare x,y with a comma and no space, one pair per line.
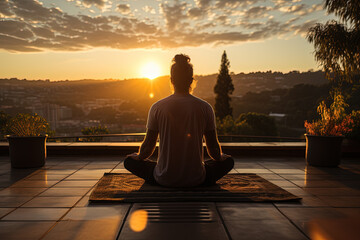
27,152
323,151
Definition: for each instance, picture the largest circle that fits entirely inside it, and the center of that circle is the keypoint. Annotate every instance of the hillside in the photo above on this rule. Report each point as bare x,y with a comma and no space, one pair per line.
137,89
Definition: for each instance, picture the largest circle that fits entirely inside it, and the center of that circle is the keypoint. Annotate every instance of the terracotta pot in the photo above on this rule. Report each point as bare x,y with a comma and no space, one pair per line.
27,152
323,151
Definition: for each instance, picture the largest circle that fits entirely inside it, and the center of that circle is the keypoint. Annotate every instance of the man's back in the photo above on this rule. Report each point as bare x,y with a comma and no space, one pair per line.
181,120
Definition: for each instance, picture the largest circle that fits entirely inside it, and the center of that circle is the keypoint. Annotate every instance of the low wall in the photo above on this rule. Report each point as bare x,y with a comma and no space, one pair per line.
268,149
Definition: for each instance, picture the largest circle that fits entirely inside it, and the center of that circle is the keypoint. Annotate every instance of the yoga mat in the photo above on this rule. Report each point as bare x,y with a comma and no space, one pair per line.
242,187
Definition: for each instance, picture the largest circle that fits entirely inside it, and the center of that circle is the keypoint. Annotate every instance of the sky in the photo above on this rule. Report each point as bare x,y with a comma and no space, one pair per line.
120,39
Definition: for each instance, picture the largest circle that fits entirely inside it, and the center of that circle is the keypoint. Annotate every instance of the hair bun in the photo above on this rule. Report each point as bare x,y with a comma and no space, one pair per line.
181,59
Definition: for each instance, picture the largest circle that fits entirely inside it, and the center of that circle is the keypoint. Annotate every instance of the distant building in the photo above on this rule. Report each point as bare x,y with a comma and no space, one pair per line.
65,112
279,117
134,128
53,113
87,106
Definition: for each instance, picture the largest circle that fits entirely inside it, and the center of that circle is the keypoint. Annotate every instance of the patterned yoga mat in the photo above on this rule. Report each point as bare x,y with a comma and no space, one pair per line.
244,187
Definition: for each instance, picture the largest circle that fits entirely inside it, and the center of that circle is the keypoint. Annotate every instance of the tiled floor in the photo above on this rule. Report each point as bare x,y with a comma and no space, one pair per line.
52,203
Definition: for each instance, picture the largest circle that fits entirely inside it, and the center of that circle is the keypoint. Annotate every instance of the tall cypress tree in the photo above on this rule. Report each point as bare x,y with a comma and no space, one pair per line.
223,89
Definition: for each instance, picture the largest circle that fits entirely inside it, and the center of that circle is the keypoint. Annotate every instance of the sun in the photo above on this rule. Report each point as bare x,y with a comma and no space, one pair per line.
150,70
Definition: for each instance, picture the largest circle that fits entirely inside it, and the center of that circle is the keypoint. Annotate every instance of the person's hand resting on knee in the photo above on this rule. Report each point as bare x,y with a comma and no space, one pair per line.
147,147
224,156
134,156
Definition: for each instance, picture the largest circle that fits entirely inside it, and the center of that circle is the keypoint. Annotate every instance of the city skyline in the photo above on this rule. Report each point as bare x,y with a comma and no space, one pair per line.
99,39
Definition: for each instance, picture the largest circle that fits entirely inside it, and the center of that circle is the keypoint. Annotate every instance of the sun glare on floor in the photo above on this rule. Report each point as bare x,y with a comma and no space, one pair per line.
138,220
150,70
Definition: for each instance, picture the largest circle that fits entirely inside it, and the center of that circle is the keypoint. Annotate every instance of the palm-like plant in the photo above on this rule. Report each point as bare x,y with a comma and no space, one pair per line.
347,10
337,44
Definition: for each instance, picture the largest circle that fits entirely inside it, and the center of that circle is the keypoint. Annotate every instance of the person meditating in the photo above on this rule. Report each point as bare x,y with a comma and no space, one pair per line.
181,120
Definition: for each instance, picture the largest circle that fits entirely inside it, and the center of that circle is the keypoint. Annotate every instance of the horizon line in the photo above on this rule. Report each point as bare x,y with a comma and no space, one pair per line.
135,78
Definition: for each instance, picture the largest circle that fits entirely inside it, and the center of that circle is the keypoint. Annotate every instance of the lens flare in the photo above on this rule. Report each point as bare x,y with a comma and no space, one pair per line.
151,95
138,220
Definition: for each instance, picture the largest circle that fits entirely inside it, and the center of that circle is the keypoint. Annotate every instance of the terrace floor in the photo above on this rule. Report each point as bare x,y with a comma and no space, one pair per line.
52,203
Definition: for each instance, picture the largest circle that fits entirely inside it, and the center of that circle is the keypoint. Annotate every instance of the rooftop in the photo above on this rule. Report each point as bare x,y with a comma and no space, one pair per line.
52,203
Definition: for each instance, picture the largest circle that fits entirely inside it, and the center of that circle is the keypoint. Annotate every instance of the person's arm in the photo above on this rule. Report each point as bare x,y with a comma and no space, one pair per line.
147,147
213,146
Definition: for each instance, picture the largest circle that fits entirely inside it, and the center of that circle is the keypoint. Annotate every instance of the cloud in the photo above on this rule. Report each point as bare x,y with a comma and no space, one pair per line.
300,9
293,8
4,8
281,3
174,15
14,44
257,12
98,3
303,28
149,9
30,26
15,29
196,13
235,3
123,8
202,3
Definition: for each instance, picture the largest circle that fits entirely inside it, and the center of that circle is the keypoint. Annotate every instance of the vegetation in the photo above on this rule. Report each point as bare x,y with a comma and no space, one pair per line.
4,119
27,125
256,124
355,126
296,103
228,126
128,103
261,124
333,120
223,89
337,49
337,44
94,131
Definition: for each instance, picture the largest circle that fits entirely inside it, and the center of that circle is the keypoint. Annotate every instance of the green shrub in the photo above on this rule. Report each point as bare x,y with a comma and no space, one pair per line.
256,124
260,124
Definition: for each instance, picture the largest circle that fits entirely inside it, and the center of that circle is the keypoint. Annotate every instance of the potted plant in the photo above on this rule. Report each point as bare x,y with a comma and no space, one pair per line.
27,142
325,135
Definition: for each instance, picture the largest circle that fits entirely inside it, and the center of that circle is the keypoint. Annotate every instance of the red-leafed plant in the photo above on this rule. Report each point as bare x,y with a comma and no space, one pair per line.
333,120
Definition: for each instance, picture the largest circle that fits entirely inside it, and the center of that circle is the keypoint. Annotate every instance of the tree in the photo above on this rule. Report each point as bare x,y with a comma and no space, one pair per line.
256,124
223,89
337,44
228,126
261,124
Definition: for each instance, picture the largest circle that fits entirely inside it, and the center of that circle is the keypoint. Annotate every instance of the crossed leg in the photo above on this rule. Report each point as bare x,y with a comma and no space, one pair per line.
217,169
145,169
141,168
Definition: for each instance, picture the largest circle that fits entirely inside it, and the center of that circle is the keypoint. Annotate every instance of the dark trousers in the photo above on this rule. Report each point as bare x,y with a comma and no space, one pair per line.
145,169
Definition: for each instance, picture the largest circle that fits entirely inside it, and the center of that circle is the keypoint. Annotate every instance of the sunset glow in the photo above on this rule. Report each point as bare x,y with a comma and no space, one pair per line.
105,39
151,70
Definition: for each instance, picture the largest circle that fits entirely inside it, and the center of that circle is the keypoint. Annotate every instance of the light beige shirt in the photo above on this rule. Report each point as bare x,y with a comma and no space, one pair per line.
181,120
